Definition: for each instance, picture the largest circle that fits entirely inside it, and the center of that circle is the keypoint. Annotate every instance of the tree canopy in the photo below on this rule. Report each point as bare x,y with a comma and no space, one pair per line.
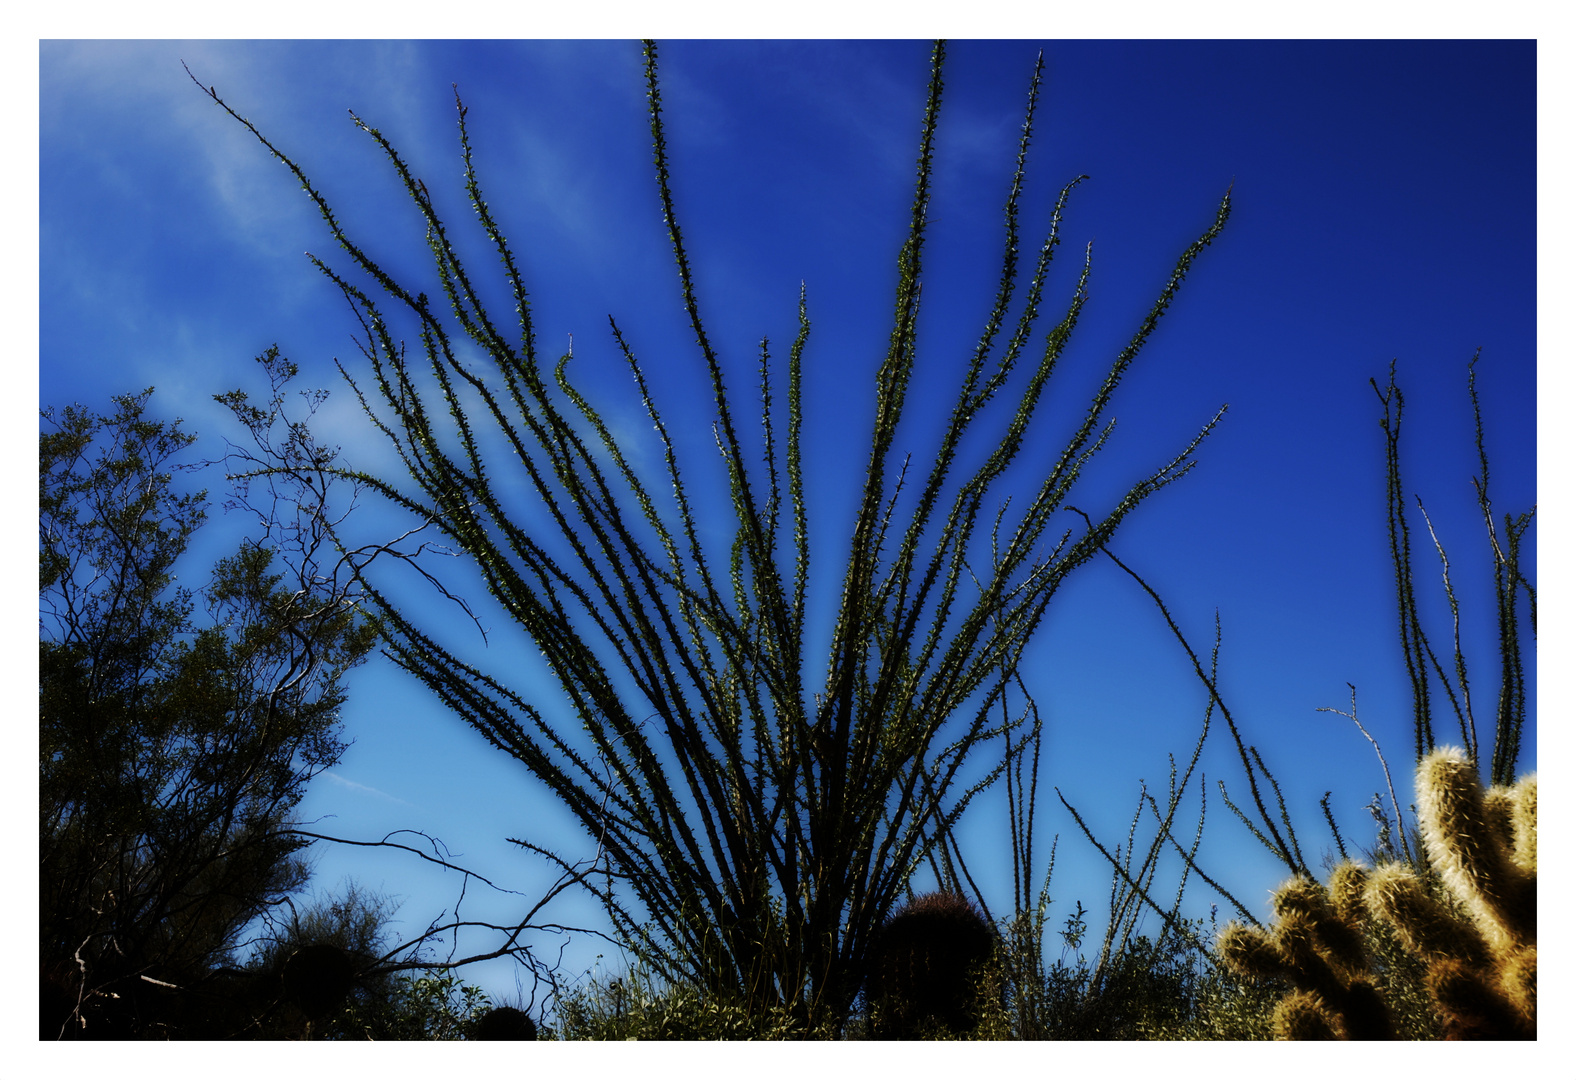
172,746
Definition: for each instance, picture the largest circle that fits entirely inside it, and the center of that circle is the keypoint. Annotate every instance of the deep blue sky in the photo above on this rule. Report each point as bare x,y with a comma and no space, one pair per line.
1385,207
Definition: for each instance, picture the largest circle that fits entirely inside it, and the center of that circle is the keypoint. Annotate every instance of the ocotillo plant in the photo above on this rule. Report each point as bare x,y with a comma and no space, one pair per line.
927,967
753,827
1476,934
1423,667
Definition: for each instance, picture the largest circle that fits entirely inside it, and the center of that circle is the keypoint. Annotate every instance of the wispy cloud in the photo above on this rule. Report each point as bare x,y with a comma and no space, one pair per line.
353,786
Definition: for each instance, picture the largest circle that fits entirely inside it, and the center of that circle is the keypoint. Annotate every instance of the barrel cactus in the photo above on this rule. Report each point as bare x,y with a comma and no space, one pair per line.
926,967
505,1023
318,979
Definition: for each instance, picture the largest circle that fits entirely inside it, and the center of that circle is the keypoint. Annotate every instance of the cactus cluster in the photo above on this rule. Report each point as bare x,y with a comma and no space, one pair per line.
1476,936
926,968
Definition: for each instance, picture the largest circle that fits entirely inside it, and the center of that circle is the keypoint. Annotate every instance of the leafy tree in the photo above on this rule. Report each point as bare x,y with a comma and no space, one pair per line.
755,825
171,753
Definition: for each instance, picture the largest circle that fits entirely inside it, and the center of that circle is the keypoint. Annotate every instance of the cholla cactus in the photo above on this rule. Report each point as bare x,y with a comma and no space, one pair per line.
1482,956
1478,944
1318,947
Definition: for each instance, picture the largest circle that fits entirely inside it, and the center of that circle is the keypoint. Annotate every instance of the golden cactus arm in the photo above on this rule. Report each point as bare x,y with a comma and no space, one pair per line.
1329,936
1470,854
1347,882
1518,981
1471,1007
1303,1016
1524,824
1397,896
1251,952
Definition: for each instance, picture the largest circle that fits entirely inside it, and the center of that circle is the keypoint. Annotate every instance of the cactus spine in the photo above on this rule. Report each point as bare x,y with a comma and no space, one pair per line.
1478,941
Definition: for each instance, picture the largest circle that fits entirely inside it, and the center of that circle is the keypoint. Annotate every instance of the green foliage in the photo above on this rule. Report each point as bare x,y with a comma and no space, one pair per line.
354,920
754,826
641,1005
430,1005
354,924
170,753
1402,981
1168,987
1150,990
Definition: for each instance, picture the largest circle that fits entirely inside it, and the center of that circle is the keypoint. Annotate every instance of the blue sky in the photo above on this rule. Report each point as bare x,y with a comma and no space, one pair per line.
1384,207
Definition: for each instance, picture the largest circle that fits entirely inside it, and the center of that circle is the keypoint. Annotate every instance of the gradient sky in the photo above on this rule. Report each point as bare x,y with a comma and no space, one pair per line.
1384,207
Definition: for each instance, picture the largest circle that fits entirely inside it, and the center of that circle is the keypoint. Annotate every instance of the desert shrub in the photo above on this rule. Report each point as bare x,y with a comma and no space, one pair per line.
641,1005
1167,987
1171,987
430,1005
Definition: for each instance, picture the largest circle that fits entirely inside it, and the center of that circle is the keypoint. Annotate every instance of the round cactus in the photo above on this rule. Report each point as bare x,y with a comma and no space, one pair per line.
925,967
504,1023
317,978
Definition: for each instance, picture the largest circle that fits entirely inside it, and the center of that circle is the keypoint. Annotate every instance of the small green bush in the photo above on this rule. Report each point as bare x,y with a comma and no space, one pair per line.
1165,988
1152,989
639,1005
435,1005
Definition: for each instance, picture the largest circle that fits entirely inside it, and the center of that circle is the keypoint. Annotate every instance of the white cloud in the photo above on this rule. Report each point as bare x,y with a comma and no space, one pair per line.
353,786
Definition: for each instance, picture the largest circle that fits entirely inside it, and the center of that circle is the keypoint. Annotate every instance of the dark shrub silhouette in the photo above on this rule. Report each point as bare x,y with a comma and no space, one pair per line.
317,978
925,967
505,1023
